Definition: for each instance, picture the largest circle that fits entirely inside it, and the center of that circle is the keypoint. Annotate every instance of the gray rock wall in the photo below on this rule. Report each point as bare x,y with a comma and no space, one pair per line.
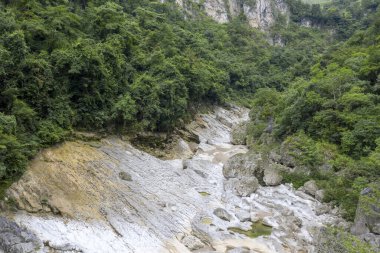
260,13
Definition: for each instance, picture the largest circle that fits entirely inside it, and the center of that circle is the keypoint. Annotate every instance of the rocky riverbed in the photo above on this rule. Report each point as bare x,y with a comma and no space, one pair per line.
108,196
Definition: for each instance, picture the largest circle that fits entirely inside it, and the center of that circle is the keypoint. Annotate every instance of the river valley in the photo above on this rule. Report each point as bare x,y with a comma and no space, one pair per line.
109,196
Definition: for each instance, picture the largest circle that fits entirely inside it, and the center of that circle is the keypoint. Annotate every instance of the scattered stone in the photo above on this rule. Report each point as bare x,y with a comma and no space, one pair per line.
222,214
238,134
189,135
192,242
201,173
376,229
359,227
125,176
322,209
182,149
287,155
247,186
243,215
186,164
325,168
242,165
272,177
295,221
310,187
366,191
372,239
345,225
335,211
274,157
320,195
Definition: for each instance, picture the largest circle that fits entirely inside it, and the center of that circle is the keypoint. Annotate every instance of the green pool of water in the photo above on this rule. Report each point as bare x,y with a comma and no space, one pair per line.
204,194
206,220
257,229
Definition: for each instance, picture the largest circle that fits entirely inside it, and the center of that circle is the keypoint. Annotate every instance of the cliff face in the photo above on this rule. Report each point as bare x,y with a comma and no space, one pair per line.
260,13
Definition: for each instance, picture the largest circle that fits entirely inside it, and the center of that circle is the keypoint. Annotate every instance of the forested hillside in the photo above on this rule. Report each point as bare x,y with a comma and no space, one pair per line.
330,121
126,66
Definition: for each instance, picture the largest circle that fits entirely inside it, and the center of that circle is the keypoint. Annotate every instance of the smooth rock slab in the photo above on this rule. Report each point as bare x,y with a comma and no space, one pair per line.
16,239
164,200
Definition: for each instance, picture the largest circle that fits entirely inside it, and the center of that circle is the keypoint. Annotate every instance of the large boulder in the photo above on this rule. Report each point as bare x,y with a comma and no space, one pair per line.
320,195
239,134
310,187
367,218
182,149
272,176
243,165
242,186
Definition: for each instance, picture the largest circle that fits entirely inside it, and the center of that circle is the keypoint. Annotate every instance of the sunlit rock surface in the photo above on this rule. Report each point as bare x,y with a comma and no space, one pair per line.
260,13
74,199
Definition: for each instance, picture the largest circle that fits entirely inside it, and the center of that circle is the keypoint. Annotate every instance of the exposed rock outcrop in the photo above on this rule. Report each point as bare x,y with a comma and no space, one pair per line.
310,187
16,239
243,165
367,219
320,195
251,165
239,134
112,197
243,186
260,13
182,149
272,176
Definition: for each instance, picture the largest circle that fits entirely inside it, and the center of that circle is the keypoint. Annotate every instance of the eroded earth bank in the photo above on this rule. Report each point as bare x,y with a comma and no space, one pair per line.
213,196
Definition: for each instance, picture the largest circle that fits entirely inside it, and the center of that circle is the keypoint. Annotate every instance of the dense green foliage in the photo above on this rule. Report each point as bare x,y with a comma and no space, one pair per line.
126,65
341,17
330,121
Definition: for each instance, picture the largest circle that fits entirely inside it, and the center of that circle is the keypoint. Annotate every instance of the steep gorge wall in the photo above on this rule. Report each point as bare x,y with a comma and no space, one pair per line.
260,13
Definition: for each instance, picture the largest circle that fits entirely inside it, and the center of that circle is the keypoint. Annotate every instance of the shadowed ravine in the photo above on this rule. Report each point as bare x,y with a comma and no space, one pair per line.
111,197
